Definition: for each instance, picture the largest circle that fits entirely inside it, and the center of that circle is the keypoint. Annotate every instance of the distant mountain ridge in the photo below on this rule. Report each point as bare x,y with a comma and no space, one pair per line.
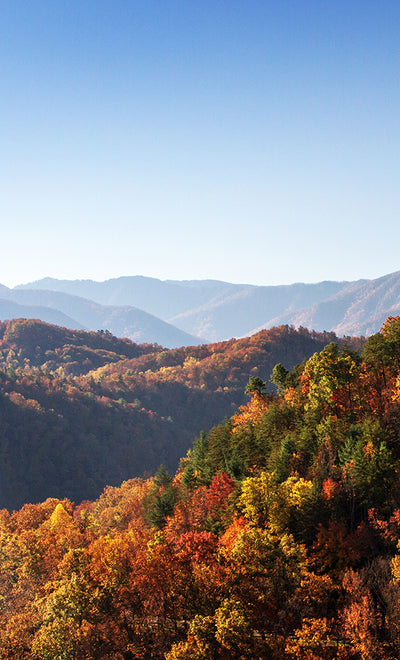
14,310
76,312
213,310
357,309
164,299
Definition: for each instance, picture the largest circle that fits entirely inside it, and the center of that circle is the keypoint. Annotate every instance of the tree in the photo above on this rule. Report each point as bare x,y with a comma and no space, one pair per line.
255,384
161,499
329,381
279,376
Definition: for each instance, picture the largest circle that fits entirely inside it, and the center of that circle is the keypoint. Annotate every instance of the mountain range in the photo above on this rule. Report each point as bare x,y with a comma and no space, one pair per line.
181,313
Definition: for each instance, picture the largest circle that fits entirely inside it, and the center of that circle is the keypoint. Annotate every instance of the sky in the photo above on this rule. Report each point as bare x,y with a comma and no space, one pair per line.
250,141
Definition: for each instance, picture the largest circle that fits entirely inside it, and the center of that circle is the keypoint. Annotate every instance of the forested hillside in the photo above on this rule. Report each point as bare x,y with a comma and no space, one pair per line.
80,410
278,537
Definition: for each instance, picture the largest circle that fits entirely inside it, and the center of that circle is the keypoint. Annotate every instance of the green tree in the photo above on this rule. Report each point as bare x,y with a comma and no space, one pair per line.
255,384
279,376
161,499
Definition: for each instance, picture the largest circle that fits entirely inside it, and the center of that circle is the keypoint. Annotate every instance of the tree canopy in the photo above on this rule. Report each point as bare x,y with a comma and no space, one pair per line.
278,536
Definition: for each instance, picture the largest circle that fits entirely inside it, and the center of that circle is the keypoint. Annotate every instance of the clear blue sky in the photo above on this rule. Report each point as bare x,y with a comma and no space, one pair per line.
251,141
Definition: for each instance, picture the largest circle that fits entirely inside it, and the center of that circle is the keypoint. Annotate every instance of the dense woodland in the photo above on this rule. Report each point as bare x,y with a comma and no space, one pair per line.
278,536
83,410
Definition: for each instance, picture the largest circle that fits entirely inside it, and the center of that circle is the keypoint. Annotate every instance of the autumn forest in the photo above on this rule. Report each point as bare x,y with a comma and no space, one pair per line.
232,500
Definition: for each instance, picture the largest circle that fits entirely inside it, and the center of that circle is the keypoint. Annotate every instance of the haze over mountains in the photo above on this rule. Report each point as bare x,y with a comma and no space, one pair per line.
77,312
177,313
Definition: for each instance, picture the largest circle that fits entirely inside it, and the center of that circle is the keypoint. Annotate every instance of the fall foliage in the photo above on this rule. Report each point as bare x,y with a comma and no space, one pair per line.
278,537
83,410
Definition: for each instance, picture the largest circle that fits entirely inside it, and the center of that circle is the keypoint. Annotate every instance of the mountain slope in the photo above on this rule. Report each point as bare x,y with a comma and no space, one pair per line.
359,308
78,312
164,299
205,308
219,310
11,310
81,410
277,538
239,312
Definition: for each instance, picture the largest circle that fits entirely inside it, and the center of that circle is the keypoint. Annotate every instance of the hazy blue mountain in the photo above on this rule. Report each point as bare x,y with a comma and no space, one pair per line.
164,299
219,310
75,312
204,308
12,310
358,309
238,313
